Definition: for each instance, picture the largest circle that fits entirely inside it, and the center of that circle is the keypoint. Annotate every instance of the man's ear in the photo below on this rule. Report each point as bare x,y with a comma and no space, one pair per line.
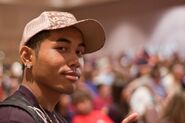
26,55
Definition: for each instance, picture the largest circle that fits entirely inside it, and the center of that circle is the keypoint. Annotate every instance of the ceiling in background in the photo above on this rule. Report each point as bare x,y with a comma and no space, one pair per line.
14,14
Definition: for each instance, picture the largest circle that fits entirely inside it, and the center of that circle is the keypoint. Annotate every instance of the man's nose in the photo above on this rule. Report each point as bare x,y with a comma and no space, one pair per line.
74,61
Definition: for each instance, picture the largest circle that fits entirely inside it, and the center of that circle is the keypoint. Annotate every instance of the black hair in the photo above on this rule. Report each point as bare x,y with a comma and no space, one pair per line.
35,41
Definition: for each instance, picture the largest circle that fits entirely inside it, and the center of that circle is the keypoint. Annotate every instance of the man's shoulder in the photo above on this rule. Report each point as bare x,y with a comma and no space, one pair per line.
17,108
10,114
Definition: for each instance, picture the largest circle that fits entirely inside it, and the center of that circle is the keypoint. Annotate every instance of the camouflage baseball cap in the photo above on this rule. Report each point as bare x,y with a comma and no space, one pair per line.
92,30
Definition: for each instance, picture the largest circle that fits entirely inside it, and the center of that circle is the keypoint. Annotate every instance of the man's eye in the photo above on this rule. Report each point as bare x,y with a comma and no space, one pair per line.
63,49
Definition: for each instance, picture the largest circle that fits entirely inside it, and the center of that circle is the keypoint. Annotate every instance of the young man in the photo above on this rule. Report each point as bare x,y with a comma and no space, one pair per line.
51,51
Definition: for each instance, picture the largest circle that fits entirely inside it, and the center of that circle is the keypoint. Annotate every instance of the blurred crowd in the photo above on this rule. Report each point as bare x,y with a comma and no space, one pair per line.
110,88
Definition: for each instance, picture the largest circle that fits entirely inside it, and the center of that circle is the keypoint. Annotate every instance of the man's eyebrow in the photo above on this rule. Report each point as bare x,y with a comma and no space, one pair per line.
63,40
68,41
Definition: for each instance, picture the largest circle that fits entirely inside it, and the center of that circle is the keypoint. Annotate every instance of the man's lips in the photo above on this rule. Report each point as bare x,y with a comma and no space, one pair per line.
71,75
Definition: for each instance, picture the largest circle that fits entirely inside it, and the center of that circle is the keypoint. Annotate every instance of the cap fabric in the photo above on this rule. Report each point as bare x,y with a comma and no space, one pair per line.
93,33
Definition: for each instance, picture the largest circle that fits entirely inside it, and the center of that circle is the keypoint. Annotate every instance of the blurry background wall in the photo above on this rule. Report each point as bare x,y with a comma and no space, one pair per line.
129,24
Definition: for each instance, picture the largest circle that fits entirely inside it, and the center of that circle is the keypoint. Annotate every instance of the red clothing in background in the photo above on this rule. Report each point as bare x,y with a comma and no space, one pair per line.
93,117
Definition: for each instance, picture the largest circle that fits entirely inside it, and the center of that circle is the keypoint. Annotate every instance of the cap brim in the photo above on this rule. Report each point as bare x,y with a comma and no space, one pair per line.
92,31
94,35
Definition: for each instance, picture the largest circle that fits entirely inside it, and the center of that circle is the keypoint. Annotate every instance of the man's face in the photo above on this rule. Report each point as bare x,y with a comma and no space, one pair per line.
57,65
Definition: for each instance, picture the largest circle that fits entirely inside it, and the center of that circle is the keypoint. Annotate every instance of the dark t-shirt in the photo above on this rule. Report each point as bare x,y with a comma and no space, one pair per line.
10,114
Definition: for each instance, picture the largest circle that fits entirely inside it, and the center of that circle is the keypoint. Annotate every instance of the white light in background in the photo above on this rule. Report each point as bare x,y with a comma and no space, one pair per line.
57,3
7,1
169,35
16,69
65,3
126,37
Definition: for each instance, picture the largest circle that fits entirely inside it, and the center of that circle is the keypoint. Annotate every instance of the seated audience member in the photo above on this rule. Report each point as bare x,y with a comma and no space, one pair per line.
63,107
84,110
175,109
103,100
119,107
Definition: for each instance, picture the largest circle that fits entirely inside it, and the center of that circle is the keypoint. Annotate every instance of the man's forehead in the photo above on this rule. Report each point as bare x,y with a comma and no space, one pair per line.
61,35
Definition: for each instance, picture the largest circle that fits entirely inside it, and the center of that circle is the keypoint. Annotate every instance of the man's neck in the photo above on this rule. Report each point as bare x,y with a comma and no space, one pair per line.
44,96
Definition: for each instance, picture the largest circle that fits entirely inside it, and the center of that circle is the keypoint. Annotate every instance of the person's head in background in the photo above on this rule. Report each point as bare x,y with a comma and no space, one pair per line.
174,109
178,72
104,91
82,102
52,50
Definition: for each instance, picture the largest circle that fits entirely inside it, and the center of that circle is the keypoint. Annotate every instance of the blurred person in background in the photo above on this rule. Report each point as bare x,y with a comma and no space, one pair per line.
119,107
105,72
159,95
174,108
139,65
64,107
51,51
172,81
84,111
88,80
138,90
11,78
103,100
156,85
